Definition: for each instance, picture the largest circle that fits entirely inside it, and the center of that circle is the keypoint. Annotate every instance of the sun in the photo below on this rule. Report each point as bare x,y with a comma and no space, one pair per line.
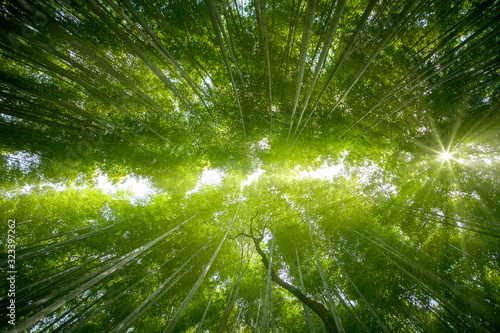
445,156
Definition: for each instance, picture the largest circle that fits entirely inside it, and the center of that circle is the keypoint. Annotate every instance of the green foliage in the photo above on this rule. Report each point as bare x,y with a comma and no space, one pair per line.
394,164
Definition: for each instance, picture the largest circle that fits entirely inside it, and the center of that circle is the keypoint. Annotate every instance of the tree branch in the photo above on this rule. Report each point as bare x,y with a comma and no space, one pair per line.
318,308
251,223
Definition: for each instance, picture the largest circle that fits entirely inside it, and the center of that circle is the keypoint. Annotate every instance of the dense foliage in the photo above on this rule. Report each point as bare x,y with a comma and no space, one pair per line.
352,145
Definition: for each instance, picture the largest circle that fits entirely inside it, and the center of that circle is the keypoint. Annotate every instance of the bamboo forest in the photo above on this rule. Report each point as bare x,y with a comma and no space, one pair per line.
250,166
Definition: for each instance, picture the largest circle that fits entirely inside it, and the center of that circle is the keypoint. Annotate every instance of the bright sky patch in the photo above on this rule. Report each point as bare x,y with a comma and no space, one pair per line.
324,172
253,177
138,187
208,177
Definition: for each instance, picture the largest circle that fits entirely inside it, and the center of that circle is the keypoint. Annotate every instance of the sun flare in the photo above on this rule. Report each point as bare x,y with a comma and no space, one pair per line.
445,156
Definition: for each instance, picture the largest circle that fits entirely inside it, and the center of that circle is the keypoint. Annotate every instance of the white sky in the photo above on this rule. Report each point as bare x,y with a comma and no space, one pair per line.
139,187
366,174
23,160
208,177
328,170
324,172
253,177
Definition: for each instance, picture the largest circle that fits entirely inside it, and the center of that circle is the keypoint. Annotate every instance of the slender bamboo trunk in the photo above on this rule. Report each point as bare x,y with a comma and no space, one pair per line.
442,299
241,32
25,246
171,326
320,38
153,297
163,51
106,304
258,312
55,289
67,325
148,62
438,67
303,289
355,36
114,73
102,124
155,42
230,305
78,238
64,73
230,293
265,311
29,115
158,296
333,308
291,34
94,89
370,307
260,8
477,308
58,319
457,73
166,27
212,10
324,52
311,6
351,312
206,309
124,261
100,81
229,44
391,32
52,277
237,320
